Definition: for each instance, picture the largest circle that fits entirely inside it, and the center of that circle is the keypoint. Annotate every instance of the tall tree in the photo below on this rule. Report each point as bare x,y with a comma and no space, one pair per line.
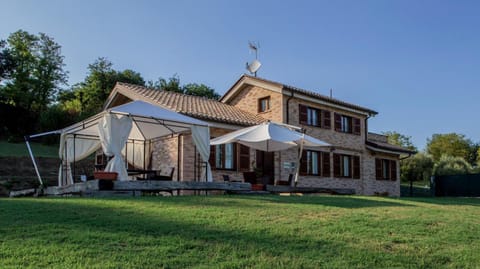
173,85
89,96
7,64
200,90
398,139
37,72
452,144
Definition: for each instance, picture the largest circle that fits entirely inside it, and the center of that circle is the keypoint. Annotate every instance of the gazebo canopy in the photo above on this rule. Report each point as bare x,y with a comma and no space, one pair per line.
134,121
149,121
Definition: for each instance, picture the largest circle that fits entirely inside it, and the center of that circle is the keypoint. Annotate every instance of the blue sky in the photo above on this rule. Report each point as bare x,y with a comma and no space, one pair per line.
415,62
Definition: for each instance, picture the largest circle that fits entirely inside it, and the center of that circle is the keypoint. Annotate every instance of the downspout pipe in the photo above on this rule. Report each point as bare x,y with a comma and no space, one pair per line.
288,110
366,127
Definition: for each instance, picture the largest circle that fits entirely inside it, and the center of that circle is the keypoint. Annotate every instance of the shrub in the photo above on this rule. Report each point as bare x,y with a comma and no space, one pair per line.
449,165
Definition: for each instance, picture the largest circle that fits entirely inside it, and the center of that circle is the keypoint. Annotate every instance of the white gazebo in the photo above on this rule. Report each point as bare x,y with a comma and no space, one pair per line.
137,123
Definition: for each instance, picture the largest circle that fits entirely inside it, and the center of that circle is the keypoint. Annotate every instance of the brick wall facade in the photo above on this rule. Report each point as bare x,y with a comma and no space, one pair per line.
248,98
343,143
166,152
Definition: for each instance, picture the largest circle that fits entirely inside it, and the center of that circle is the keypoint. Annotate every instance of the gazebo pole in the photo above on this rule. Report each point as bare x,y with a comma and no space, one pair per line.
33,160
65,179
74,153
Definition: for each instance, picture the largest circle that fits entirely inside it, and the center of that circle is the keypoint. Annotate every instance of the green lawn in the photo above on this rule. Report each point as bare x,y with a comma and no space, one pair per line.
240,232
20,149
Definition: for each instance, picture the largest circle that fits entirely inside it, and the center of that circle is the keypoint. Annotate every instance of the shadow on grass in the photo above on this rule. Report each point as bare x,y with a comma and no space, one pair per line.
259,200
446,200
77,216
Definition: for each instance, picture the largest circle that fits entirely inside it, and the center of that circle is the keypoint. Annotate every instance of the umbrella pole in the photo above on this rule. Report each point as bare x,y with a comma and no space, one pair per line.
298,159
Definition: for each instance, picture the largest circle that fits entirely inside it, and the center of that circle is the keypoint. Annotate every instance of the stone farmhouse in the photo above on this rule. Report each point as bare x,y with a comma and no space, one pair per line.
357,159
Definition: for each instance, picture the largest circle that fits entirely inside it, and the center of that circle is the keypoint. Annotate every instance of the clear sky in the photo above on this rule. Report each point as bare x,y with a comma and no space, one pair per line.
415,62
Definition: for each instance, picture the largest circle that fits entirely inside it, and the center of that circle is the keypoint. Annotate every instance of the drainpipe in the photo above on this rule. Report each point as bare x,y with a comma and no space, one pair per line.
288,110
363,166
366,128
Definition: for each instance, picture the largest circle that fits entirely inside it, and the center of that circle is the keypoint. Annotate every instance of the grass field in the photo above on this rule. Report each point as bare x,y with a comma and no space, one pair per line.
20,149
240,232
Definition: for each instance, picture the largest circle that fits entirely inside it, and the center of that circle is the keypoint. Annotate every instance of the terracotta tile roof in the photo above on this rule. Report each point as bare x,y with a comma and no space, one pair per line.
313,94
389,147
194,106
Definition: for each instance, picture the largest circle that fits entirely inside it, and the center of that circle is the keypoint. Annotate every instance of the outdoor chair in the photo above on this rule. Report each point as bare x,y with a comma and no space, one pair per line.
286,183
250,177
150,175
165,177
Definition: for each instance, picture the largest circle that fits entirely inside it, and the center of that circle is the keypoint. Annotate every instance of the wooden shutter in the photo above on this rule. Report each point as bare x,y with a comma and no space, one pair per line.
356,167
302,114
211,159
356,126
326,119
338,122
303,163
378,168
244,158
325,164
393,170
336,165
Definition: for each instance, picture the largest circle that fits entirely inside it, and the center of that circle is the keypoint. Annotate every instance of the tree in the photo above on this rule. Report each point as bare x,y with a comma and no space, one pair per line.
173,85
398,139
200,90
89,96
452,144
416,168
451,165
7,64
33,71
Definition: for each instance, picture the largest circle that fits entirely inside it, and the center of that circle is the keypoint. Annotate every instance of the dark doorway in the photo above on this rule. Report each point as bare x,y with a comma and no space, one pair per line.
265,164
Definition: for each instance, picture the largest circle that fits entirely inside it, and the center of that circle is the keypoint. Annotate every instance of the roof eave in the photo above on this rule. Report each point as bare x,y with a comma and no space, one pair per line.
390,149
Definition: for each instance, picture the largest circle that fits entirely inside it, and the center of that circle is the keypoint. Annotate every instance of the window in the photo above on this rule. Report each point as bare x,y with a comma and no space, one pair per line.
264,104
230,157
346,166
347,124
223,156
314,117
315,163
385,169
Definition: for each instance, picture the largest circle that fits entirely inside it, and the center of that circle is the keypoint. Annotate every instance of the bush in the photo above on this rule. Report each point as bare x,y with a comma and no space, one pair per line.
416,168
449,165
16,122
56,118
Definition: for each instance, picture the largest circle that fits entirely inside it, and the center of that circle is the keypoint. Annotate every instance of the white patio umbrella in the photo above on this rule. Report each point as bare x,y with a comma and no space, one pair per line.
270,136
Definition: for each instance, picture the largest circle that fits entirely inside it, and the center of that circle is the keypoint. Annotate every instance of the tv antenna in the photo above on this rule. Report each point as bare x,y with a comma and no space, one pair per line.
255,64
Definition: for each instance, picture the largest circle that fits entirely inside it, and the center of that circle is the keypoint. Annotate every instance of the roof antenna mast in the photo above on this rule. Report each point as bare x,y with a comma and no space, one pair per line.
255,64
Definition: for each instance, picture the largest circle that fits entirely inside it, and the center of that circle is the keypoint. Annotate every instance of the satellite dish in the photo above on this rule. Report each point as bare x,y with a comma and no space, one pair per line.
254,66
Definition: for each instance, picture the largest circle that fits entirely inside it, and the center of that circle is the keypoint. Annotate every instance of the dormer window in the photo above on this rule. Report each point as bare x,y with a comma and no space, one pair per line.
264,104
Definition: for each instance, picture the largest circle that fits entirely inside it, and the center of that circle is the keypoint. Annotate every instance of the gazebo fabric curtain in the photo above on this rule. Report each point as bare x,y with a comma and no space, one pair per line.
113,131
72,149
201,138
